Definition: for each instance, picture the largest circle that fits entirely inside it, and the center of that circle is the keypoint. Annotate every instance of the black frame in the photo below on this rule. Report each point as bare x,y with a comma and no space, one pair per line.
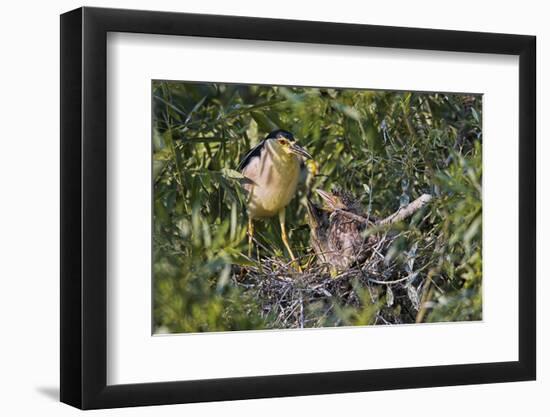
84,207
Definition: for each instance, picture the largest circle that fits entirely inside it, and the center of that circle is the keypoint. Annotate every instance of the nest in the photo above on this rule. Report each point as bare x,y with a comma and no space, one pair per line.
318,298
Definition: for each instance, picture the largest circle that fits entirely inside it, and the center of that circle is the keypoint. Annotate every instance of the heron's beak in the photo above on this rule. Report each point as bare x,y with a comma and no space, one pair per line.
329,199
298,150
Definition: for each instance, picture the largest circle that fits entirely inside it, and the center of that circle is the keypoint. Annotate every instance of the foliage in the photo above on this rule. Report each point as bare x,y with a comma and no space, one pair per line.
385,147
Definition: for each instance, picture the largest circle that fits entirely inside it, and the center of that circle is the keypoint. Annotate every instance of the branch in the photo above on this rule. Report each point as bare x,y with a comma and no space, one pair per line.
407,211
396,217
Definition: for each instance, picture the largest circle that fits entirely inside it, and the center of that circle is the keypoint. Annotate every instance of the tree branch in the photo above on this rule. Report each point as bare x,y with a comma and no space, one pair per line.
396,217
407,211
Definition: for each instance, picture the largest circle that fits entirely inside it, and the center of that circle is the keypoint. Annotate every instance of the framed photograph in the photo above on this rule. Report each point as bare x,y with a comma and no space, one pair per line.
255,208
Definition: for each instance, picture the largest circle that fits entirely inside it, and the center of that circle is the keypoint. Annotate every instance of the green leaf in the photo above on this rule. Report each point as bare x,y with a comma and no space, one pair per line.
264,123
232,174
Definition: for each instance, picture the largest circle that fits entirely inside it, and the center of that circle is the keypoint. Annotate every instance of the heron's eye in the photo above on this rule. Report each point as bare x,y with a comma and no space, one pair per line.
283,141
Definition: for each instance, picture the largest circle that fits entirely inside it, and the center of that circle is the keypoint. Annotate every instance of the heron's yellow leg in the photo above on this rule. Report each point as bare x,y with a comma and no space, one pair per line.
285,239
250,236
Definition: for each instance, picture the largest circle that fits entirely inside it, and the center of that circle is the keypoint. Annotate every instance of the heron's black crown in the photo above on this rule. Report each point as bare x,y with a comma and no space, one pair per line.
281,133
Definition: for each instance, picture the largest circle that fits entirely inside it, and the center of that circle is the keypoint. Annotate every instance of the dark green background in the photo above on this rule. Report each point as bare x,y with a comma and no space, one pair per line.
386,147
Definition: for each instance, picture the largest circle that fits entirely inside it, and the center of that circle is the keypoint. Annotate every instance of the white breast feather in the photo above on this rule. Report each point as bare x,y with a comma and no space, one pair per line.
275,180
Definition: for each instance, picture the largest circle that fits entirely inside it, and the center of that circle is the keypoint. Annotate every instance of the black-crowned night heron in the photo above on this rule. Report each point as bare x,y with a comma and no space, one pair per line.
273,168
338,230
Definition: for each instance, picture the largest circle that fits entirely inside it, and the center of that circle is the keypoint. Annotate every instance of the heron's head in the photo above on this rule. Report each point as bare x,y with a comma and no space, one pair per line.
285,142
337,200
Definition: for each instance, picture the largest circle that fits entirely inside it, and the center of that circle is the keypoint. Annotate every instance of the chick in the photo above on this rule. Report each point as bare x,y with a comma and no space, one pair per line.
337,230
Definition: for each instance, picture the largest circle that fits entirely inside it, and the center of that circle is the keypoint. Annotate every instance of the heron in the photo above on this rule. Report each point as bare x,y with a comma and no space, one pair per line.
273,168
337,230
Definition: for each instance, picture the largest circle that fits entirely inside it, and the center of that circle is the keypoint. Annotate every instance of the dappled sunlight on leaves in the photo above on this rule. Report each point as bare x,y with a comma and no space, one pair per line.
386,148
